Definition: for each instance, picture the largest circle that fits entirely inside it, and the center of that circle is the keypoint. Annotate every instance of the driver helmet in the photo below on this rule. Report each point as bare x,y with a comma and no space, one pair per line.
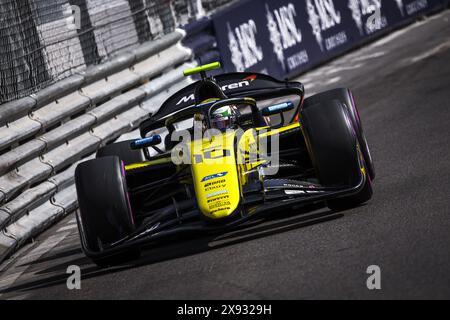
223,118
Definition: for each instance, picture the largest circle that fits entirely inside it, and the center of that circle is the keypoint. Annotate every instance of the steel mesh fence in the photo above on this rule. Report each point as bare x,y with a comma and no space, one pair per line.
43,41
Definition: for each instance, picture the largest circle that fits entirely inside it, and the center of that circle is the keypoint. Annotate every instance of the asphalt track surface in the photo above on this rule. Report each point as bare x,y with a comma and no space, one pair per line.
402,86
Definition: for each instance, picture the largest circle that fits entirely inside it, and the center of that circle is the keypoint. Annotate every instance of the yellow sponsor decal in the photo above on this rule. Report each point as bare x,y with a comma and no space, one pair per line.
147,164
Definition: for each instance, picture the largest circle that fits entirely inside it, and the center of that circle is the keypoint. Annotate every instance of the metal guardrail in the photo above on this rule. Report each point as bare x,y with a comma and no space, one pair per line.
11,111
44,136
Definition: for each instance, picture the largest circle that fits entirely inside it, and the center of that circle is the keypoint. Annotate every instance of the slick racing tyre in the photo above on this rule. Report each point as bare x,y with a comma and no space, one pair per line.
123,151
104,215
334,151
345,96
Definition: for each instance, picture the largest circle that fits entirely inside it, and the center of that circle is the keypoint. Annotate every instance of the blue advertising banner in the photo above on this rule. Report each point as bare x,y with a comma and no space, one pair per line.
264,36
284,37
412,8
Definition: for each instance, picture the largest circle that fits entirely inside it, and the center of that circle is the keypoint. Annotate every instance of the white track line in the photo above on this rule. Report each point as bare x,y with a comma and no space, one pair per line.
370,56
398,33
442,47
19,297
67,228
22,264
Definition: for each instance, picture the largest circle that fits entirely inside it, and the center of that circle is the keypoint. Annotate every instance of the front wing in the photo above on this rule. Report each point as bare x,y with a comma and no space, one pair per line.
275,196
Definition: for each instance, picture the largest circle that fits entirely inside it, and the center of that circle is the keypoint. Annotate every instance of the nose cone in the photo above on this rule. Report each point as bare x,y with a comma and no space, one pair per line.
215,175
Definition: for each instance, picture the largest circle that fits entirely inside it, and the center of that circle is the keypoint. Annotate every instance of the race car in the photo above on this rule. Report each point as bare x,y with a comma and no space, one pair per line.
219,153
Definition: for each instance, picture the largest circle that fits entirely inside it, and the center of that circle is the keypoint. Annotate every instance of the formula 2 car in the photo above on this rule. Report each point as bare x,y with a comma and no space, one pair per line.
217,154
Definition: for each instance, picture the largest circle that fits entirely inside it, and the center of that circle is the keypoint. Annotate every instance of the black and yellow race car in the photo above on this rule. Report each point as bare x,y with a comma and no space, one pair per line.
217,154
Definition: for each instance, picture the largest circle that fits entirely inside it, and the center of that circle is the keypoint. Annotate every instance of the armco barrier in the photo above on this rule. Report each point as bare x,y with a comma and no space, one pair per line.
43,137
284,38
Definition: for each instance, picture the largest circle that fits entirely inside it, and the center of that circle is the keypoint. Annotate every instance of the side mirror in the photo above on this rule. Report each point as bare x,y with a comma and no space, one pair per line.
146,142
277,109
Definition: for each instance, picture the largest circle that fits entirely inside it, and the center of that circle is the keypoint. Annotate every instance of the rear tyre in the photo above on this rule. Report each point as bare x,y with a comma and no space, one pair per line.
123,151
104,215
334,151
345,96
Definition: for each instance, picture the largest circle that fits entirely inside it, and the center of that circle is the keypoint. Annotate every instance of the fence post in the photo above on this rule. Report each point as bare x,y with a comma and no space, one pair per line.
86,34
138,10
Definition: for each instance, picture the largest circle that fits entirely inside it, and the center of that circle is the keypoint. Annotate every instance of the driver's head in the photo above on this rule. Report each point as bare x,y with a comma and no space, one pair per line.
223,118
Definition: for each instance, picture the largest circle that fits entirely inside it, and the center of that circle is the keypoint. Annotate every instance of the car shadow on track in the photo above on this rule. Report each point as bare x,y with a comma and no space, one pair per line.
55,274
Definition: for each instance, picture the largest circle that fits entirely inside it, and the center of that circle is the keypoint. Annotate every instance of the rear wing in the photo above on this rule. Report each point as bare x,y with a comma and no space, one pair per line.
234,85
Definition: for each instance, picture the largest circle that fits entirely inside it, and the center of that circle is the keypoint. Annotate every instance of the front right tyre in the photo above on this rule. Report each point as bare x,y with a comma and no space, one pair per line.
345,97
335,151
123,151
